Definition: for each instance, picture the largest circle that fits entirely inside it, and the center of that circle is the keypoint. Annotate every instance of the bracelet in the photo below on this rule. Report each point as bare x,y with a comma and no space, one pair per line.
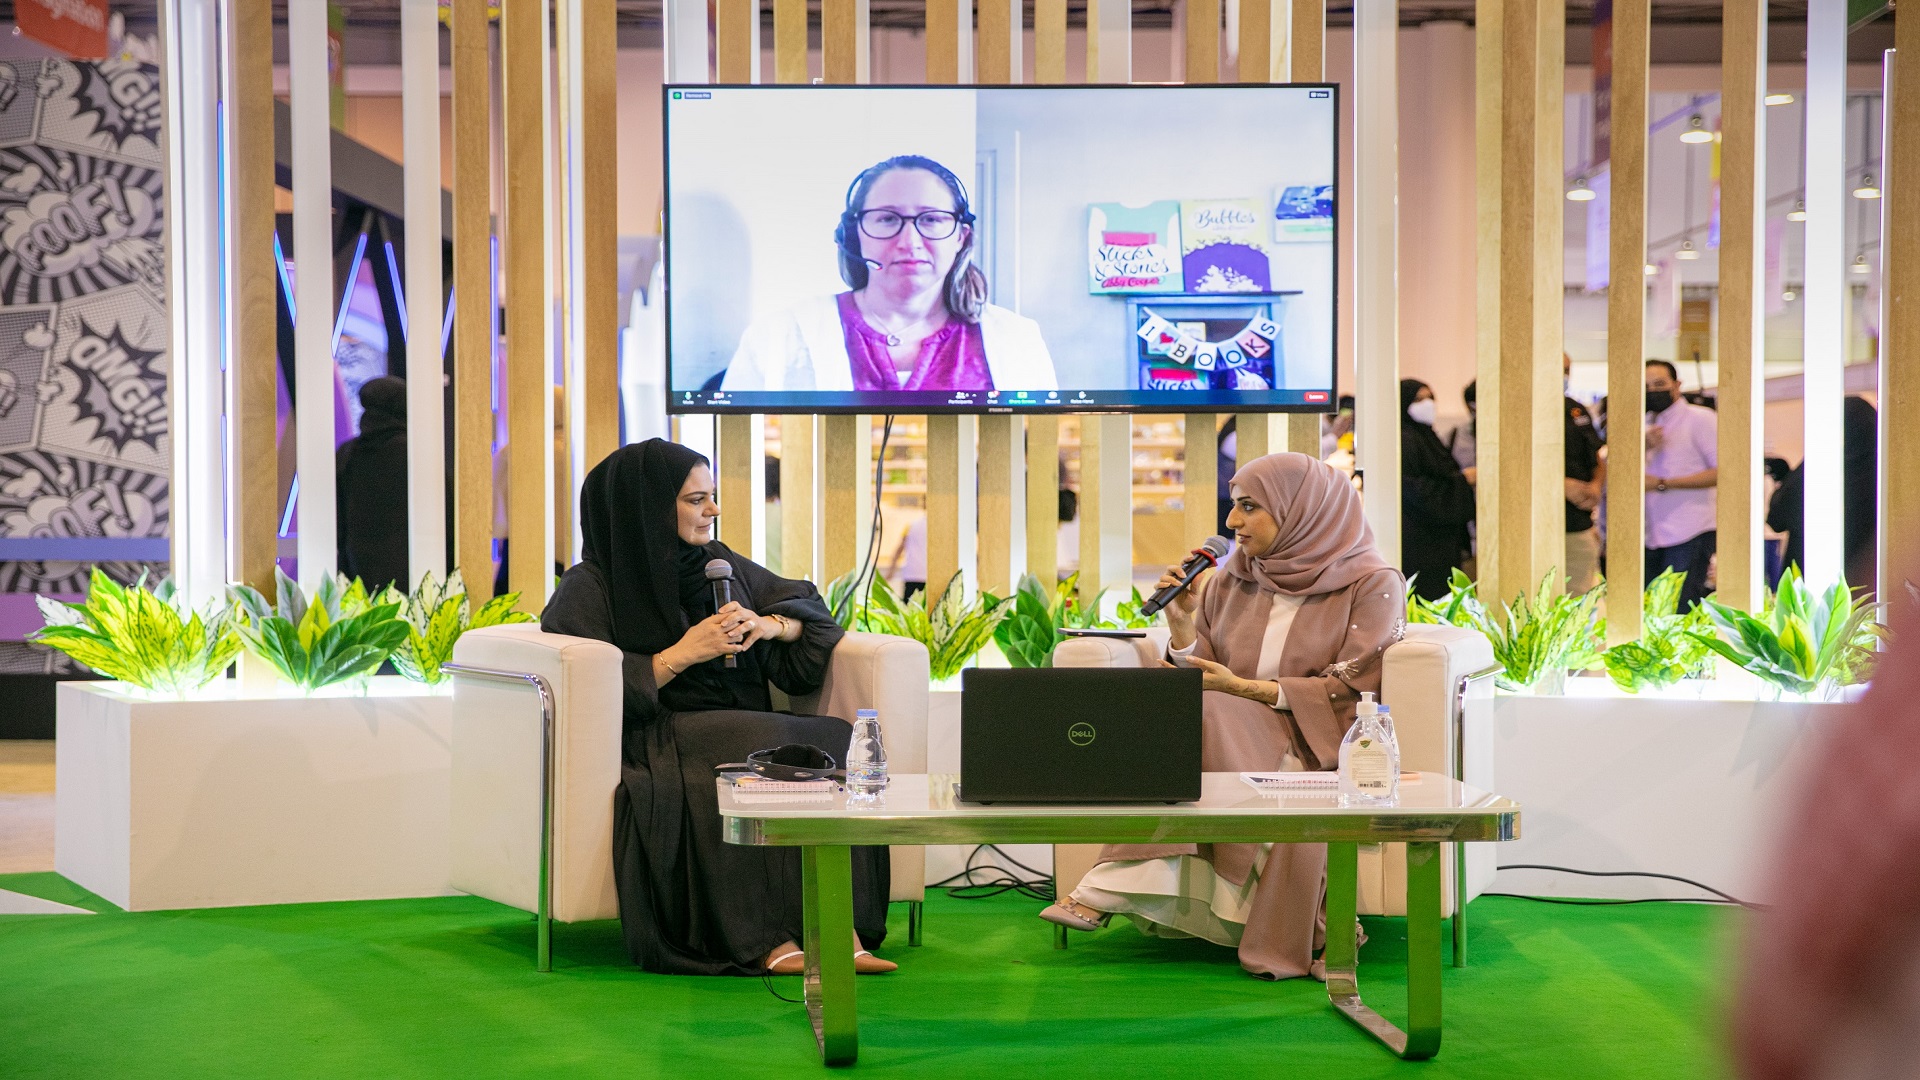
668,663
782,635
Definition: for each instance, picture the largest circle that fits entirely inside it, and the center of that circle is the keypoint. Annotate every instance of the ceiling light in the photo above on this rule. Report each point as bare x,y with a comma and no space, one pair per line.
1651,270
1696,130
1789,296
1780,99
1867,189
1860,264
1799,211
1580,192
1687,251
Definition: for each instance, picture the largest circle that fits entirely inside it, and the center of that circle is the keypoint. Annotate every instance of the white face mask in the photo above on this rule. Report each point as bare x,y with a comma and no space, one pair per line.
1423,412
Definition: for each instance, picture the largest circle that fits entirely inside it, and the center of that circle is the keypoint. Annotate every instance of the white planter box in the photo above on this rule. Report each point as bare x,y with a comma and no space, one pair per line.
224,800
1690,782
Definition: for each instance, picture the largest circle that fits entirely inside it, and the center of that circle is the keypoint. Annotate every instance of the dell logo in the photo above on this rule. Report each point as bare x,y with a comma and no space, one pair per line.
1080,734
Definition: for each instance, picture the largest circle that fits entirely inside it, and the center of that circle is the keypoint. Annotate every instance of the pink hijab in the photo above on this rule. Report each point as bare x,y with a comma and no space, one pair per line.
1324,543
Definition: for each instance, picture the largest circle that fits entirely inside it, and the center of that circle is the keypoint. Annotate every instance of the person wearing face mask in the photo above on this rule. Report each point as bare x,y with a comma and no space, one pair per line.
1436,497
1683,467
1586,478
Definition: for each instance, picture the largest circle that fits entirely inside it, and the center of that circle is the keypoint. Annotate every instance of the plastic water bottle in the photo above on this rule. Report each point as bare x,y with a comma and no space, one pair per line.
1369,758
866,755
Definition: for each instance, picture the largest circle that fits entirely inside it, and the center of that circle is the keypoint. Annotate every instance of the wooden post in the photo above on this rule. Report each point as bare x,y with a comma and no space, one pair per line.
1743,140
1626,324
256,513
1002,543
1200,476
426,363
1532,538
1106,505
600,198
1043,498
847,503
472,304
790,41
1489,24
1304,35
948,25
952,510
1900,340
1203,41
529,351
736,37
1050,42
742,449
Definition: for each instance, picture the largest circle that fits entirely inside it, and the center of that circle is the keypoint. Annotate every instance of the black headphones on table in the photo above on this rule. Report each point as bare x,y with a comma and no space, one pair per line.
794,761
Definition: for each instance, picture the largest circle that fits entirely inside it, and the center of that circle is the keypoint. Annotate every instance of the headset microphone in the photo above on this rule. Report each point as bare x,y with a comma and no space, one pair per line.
873,263
1206,555
720,575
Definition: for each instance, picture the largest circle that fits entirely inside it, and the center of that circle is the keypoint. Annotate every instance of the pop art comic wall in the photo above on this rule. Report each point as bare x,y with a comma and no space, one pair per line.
84,441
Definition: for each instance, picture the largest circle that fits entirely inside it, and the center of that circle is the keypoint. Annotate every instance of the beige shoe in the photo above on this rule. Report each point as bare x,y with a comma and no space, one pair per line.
1074,916
788,959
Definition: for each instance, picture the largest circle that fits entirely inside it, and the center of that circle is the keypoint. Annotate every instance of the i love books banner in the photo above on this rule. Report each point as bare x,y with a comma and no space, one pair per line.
77,28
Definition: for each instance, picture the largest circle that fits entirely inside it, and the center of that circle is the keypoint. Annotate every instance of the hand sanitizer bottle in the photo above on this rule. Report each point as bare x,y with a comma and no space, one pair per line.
1369,759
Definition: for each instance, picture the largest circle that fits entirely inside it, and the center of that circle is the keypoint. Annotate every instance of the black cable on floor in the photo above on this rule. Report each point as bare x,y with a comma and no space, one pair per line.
1038,888
1724,898
766,979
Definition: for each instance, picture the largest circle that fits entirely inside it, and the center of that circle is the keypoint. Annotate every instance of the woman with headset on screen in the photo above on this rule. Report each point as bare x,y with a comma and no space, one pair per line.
915,316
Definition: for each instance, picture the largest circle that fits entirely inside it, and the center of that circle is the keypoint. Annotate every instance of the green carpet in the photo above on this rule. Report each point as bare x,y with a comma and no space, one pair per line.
446,988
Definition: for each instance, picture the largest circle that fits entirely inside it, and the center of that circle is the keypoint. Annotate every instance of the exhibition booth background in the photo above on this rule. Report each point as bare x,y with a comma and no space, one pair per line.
520,228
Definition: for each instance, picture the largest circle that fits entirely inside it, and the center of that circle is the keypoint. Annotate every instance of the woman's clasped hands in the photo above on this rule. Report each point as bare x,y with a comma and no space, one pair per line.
728,632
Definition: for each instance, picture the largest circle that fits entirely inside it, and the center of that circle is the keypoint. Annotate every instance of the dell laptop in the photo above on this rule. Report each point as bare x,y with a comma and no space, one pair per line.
1080,735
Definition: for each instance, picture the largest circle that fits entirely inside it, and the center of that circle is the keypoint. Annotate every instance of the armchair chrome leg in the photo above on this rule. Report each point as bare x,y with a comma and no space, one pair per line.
916,914
1059,936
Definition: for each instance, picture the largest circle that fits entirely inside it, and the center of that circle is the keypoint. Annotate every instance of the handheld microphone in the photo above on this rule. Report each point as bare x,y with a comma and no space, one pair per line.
1206,555
720,576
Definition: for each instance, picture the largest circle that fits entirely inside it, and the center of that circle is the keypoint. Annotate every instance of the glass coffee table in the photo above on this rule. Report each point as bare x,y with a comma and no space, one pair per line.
920,809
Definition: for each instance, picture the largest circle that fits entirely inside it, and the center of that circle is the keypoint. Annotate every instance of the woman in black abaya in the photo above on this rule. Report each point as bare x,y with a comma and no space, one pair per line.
1436,497
691,903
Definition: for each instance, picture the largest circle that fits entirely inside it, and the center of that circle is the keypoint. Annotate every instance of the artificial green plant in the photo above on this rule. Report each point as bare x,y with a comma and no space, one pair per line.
1669,648
436,614
1033,627
1535,639
1802,642
149,639
953,629
339,634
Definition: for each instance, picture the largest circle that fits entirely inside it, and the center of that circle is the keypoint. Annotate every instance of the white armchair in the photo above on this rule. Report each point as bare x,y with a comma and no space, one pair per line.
1439,683
522,696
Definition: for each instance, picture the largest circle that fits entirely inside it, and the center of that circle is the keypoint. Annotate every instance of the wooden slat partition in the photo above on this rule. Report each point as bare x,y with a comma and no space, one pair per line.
472,303
1741,574
600,284
1488,35
1200,476
1900,337
1303,35
790,41
1532,535
253,456
1203,41
950,499
1626,322
529,362
847,462
1043,497
742,462
736,39
944,27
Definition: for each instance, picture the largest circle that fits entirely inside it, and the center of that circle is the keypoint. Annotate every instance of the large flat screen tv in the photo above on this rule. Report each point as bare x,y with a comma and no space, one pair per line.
977,249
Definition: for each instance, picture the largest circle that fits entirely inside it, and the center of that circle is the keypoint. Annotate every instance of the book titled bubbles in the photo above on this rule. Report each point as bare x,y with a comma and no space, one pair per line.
1134,249
1222,246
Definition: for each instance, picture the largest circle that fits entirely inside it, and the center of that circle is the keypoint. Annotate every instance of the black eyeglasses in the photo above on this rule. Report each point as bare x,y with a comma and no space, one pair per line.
931,224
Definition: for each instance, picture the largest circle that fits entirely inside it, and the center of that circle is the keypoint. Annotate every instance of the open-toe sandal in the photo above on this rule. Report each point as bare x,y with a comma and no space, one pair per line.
791,962
865,963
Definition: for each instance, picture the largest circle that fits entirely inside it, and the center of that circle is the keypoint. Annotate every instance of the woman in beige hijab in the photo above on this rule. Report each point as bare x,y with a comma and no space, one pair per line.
1288,634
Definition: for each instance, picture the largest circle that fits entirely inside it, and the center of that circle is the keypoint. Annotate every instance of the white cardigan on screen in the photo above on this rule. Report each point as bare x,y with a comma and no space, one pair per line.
805,348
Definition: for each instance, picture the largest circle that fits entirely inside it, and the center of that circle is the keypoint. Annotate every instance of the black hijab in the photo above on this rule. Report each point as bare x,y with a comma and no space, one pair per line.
383,404
629,518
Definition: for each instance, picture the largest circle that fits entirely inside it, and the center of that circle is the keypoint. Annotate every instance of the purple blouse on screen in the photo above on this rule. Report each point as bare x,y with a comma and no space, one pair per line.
951,358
